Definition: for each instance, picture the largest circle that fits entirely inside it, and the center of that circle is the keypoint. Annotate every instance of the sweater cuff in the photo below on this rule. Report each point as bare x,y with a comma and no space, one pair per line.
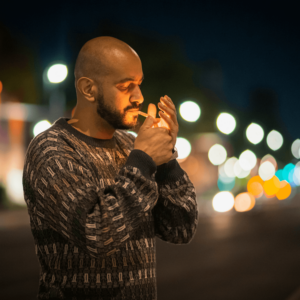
141,160
168,172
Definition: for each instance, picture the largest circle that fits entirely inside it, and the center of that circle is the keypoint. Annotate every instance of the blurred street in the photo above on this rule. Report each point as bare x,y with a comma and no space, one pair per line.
251,255
230,75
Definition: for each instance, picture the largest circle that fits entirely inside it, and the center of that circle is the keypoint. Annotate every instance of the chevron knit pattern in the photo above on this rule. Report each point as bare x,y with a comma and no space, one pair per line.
95,208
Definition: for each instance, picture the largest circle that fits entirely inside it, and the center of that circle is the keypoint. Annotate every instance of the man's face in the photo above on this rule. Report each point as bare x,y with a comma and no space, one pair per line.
120,92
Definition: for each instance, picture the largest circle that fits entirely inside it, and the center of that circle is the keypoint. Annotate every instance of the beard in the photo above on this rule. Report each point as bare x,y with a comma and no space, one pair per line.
113,117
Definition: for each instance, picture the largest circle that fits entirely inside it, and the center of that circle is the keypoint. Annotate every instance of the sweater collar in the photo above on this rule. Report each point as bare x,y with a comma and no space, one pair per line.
63,122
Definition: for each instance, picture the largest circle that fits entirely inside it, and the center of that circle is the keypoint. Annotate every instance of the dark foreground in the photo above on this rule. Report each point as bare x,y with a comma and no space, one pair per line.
233,256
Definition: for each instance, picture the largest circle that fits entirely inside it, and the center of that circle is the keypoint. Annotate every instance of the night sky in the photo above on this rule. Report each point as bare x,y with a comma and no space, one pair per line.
256,42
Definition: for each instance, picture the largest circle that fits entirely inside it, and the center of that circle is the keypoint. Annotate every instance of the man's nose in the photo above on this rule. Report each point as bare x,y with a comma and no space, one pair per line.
137,95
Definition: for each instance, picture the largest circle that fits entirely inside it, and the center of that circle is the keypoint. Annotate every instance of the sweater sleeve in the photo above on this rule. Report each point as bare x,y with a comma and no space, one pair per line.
175,214
64,195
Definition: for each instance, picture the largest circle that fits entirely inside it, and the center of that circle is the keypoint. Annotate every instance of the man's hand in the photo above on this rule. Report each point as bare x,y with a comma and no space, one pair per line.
152,112
170,116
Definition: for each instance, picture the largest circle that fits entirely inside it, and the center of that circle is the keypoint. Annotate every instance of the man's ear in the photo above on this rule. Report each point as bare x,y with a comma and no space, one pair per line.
86,87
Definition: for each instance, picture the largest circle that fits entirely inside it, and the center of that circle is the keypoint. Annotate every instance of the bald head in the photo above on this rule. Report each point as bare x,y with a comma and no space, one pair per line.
98,56
108,75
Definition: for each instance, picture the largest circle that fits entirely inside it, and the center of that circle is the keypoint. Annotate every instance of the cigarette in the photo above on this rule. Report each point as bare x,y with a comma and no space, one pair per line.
143,114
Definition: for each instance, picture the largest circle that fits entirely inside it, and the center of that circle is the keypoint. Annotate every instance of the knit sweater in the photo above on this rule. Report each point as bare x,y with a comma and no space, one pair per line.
95,208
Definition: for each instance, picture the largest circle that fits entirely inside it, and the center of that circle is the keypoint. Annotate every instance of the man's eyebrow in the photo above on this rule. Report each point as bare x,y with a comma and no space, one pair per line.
129,79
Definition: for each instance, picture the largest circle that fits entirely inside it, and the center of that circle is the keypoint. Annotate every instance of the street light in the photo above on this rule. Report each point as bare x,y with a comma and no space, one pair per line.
254,133
53,76
190,111
57,73
226,123
40,127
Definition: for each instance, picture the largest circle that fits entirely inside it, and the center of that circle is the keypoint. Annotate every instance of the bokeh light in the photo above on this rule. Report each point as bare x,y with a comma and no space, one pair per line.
260,195
284,191
221,170
254,133
272,186
40,127
183,147
226,183
295,148
271,159
279,174
226,123
217,154
296,176
266,170
268,196
229,166
288,172
223,201
15,187
57,73
190,111
244,202
274,140
239,171
255,186
247,160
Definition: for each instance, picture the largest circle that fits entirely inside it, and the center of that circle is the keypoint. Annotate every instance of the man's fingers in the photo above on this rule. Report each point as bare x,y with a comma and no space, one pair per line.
152,110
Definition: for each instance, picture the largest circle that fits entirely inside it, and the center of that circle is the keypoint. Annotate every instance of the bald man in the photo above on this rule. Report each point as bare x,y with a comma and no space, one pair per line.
110,67
97,196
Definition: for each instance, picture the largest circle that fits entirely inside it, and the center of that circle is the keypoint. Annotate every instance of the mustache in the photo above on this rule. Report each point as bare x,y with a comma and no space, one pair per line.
135,107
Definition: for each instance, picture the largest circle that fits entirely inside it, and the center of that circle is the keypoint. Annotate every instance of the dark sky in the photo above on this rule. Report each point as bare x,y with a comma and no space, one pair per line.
256,42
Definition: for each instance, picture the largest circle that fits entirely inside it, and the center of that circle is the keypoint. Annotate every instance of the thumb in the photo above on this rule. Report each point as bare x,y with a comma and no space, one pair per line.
148,122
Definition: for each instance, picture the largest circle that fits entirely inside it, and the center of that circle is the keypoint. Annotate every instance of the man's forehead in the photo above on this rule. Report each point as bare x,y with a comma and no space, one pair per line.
126,67
127,73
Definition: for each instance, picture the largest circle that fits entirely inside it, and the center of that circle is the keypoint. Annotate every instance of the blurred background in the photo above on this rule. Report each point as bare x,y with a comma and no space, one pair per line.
233,71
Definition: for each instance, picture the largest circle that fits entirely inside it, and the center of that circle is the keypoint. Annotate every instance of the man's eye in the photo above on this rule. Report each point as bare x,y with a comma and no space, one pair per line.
126,88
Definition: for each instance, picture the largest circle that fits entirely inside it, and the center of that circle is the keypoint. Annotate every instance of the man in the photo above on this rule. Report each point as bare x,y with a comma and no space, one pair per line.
96,195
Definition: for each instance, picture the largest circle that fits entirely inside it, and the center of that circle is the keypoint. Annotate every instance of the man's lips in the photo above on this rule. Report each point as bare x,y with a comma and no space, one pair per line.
134,109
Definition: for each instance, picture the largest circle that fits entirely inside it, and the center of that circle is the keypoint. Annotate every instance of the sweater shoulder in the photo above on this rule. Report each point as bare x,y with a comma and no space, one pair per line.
53,140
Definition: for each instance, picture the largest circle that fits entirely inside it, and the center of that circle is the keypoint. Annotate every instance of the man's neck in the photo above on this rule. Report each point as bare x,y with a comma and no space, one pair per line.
103,136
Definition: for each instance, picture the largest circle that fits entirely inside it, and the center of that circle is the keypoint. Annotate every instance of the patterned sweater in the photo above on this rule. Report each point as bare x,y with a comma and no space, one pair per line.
95,208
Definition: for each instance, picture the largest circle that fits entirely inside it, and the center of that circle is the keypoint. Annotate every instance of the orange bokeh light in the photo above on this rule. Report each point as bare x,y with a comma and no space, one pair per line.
244,202
272,186
255,186
284,191
269,196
